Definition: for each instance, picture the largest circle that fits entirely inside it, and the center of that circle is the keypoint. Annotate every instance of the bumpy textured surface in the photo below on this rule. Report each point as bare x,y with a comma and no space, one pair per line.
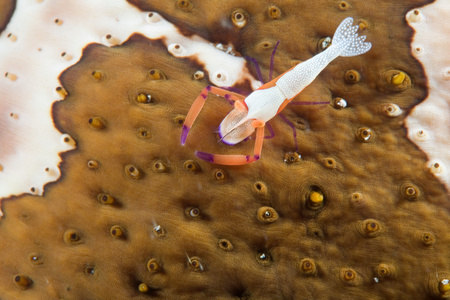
429,123
29,89
136,215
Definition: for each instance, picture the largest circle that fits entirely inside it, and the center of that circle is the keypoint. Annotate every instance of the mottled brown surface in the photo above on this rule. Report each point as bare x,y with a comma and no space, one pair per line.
6,11
368,227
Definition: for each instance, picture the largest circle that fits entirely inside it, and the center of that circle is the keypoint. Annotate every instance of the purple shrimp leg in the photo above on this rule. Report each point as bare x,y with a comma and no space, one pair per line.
308,102
272,60
294,131
258,70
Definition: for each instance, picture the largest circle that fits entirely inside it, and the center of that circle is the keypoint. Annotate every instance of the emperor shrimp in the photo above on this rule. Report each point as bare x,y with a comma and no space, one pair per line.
252,112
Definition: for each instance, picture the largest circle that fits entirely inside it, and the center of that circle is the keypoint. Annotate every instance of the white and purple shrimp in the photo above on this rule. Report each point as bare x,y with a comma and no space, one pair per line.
252,112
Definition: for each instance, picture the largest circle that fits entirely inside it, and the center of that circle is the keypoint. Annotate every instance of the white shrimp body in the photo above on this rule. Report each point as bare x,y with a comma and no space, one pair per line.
264,103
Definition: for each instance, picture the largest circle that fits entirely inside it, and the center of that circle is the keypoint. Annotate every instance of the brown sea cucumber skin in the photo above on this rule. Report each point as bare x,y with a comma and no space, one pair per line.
200,233
6,12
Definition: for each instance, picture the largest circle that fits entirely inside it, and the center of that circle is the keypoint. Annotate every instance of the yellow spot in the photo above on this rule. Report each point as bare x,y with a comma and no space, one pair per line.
398,78
444,286
143,288
98,75
97,122
316,198
144,98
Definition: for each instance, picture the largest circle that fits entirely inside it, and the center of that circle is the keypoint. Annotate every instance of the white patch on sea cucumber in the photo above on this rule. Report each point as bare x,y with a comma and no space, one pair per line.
31,56
431,45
